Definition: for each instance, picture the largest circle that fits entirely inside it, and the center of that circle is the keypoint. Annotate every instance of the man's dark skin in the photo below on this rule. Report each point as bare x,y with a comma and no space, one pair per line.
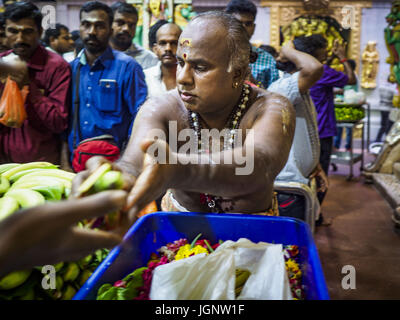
165,49
124,29
206,86
63,43
95,32
23,36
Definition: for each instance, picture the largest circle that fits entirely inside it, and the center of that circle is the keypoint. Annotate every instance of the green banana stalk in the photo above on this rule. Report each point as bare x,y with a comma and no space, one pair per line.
20,174
8,206
14,279
4,185
26,198
25,166
109,180
7,166
71,272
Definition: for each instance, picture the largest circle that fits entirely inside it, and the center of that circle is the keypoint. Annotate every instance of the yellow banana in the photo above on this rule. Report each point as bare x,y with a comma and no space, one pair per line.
31,182
69,292
56,173
8,205
241,277
71,272
109,180
7,166
26,198
25,166
20,174
14,279
4,184
91,180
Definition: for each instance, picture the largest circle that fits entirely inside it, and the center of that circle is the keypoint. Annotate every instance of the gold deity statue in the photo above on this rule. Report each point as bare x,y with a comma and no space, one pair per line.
370,62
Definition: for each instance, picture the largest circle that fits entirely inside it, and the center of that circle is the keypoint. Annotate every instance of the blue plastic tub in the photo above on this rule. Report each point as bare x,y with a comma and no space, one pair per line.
157,229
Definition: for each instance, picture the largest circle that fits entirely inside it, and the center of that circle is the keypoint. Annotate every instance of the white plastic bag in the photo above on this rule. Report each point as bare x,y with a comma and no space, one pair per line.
212,277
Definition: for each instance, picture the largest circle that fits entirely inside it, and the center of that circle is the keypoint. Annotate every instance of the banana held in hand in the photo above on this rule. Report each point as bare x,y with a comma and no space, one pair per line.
8,205
14,279
108,181
26,198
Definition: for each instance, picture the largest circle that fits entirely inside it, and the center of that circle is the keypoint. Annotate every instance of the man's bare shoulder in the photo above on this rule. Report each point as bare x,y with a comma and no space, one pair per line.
165,107
264,101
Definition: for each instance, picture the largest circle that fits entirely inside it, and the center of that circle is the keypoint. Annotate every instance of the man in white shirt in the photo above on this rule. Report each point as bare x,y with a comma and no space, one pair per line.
124,29
162,77
302,70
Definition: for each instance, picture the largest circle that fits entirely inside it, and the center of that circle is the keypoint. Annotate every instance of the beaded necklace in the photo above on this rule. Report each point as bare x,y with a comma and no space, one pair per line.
233,123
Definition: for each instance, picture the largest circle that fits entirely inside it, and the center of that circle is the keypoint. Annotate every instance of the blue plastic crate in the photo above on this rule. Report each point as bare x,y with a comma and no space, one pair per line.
157,229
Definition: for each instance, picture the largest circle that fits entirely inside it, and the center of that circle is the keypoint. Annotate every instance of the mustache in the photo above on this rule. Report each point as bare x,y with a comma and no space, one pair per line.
123,34
285,66
168,54
90,38
21,45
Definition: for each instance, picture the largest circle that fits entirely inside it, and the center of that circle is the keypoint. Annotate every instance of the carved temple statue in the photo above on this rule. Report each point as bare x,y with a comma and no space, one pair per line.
392,40
370,63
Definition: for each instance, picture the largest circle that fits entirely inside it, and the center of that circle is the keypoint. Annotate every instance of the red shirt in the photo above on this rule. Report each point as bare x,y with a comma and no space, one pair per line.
47,112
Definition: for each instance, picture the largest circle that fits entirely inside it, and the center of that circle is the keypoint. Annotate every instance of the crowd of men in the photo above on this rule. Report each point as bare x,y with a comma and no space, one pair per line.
206,76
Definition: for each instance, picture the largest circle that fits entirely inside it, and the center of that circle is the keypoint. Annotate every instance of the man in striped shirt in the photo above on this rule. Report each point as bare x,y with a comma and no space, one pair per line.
264,69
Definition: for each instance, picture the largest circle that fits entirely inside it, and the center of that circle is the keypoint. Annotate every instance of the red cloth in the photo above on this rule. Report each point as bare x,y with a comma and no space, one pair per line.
89,149
47,106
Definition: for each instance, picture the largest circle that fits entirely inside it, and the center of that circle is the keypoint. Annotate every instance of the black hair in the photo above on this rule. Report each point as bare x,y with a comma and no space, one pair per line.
123,7
352,64
2,21
96,5
270,49
310,44
304,44
241,6
24,9
53,32
153,32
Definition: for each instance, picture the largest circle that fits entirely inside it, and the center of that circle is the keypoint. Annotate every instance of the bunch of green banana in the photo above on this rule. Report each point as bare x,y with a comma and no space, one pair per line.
73,275
70,277
31,184
240,280
349,114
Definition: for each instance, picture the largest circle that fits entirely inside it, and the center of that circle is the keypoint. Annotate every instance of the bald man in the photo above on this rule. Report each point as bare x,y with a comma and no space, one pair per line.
162,77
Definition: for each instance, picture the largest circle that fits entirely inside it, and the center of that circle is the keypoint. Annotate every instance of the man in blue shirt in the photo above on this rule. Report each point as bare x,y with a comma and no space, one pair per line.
264,69
111,85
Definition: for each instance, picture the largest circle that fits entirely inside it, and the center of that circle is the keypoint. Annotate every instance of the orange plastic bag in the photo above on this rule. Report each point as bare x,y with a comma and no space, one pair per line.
12,110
